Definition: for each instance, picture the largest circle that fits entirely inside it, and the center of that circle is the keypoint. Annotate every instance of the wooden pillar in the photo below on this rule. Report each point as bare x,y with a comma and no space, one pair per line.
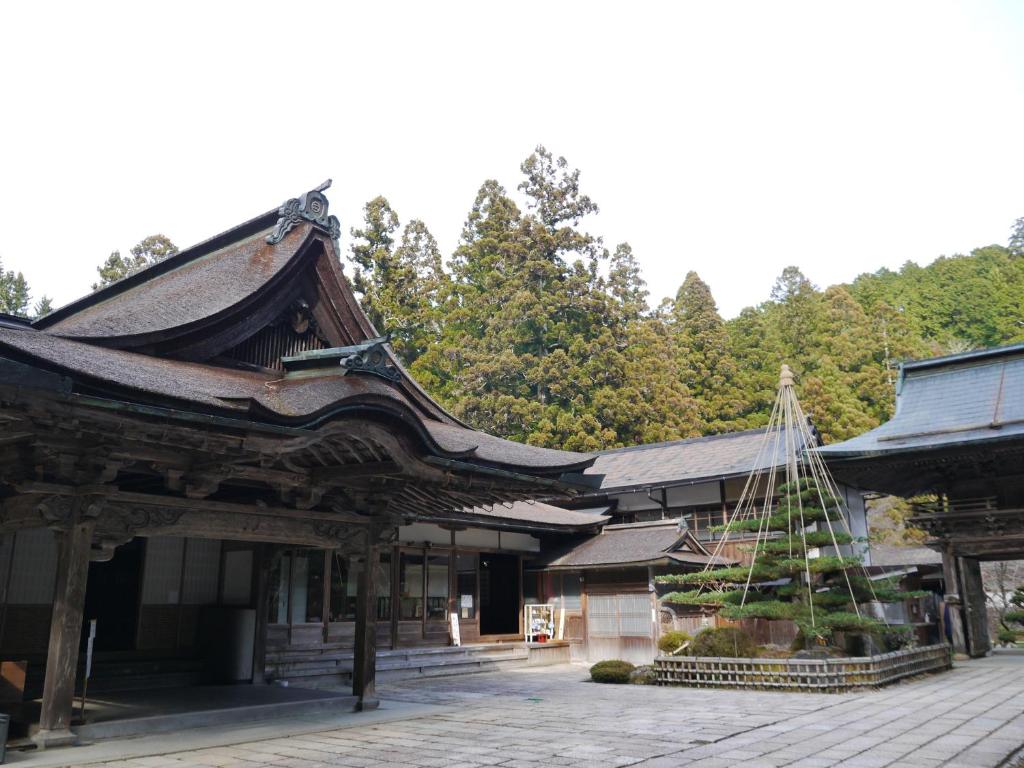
65,631
261,580
364,668
975,615
951,577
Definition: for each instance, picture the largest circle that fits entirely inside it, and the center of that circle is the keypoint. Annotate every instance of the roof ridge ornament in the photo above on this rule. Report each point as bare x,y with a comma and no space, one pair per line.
370,357
312,206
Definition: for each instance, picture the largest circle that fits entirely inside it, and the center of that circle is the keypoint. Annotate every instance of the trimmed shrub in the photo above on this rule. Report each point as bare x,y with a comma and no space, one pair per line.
611,671
672,641
1006,636
643,675
731,642
1015,616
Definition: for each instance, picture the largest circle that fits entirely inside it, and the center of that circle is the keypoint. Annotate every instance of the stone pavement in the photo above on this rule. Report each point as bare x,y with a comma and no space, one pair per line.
540,717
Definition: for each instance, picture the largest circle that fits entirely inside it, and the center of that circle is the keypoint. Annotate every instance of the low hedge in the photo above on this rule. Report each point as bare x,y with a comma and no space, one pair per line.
730,642
611,671
672,641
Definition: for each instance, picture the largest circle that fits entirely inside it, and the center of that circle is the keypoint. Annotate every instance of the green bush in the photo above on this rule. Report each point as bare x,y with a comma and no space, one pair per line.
1015,617
672,641
643,675
1006,636
611,671
723,641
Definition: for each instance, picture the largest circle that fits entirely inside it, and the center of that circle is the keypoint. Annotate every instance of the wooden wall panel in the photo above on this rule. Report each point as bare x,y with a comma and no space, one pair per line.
161,583
277,636
26,629
188,625
33,568
158,627
307,634
201,578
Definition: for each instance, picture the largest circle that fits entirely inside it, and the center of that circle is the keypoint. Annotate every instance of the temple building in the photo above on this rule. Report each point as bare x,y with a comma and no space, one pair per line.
218,468
955,445
662,501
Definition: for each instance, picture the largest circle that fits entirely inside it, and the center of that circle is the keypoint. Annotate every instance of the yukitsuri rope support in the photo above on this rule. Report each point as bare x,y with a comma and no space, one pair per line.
789,579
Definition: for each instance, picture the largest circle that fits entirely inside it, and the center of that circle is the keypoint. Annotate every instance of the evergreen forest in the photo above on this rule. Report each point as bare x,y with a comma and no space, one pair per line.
537,330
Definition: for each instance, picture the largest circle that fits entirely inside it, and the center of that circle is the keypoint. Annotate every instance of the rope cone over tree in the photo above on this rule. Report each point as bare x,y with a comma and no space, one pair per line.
802,568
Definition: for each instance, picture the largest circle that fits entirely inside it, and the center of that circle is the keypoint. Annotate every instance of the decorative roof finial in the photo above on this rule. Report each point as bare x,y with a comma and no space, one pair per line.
312,207
785,377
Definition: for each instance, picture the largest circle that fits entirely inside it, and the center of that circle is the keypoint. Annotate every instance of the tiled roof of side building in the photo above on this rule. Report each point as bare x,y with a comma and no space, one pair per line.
725,455
976,396
540,514
632,544
889,555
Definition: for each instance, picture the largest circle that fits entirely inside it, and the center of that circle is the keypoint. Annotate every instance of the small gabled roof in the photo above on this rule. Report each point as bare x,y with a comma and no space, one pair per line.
949,401
661,542
731,454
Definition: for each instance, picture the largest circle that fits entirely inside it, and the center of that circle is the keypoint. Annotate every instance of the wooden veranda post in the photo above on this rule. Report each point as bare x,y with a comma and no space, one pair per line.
264,555
364,669
75,542
951,577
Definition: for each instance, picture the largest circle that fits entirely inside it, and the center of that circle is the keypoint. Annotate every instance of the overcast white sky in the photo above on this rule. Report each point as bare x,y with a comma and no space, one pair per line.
730,138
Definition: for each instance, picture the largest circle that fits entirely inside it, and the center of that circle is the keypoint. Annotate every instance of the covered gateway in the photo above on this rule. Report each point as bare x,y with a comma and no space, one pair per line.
958,437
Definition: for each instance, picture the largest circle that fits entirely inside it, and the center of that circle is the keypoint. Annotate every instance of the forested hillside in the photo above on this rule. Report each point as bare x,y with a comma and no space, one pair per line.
537,330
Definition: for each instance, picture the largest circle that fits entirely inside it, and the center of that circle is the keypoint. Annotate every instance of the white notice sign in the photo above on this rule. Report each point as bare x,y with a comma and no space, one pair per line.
456,637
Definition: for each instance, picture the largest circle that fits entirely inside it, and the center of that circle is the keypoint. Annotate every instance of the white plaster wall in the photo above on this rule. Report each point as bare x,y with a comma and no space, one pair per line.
418,533
693,495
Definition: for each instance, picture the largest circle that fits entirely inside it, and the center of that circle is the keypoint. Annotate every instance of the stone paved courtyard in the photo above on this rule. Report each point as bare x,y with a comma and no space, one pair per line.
534,718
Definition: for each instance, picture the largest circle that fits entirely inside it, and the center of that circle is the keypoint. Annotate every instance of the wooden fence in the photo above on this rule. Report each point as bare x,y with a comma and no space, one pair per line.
816,675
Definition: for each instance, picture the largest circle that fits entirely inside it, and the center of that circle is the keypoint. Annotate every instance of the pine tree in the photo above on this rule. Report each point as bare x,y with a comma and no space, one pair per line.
43,307
821,590
373,253
145,253
798,570
1016,244
709,371
14,292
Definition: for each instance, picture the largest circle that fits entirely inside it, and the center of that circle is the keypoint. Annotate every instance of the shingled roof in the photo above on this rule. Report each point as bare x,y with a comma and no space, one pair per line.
662,542
169,336
949,401
731,454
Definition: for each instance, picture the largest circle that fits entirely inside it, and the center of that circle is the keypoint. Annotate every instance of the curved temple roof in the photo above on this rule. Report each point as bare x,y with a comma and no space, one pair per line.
948,401
160,337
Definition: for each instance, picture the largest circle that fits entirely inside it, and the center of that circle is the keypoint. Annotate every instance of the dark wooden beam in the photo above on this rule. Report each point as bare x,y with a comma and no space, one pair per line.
364,669
344,472
262,557
65,630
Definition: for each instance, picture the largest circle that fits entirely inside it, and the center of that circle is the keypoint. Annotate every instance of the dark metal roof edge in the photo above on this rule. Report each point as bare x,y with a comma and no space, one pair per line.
911,449
665,560
505,524
685,441
962,357
678,482
16,322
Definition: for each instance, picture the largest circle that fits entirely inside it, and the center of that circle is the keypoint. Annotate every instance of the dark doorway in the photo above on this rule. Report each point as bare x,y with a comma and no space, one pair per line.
112,598
499,594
